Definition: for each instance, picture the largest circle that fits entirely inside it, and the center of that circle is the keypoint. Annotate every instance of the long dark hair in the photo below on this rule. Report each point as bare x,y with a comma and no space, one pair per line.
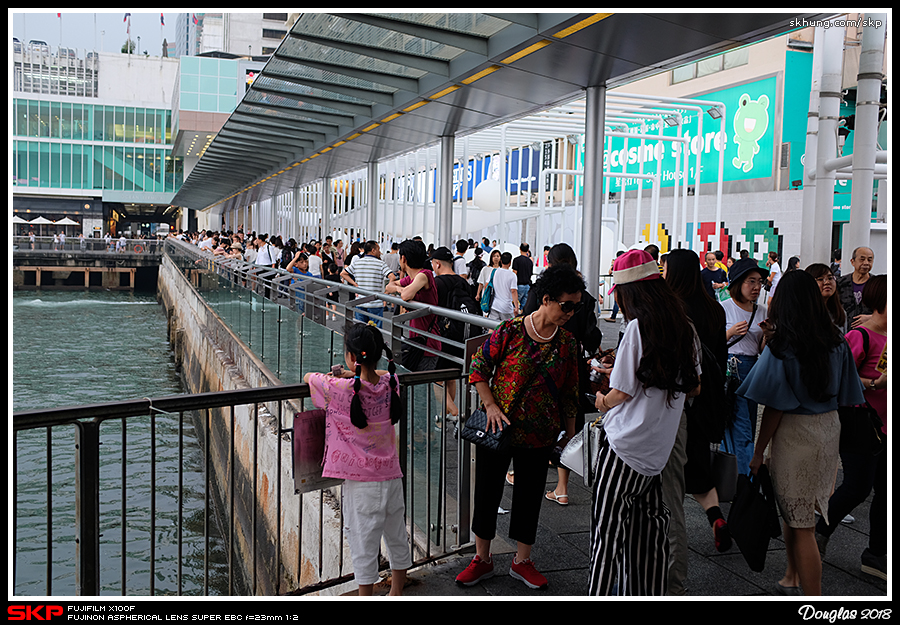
802,327
366,344
666,335
683,277
833,303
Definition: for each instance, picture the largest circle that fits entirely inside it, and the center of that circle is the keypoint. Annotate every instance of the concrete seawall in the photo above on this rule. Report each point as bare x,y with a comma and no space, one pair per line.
212,358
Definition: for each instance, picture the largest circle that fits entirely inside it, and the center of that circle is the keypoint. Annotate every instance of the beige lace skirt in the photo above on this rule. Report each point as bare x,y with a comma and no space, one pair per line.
803,459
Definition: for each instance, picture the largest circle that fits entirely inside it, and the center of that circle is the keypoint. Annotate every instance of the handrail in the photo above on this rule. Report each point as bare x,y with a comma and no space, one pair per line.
87,471
30,419
242,265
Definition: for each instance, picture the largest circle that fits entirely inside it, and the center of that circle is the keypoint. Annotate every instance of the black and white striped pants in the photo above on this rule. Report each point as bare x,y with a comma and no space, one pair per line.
629,524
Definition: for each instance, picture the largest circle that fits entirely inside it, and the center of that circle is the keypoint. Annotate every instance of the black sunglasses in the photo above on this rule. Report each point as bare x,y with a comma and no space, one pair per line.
569,306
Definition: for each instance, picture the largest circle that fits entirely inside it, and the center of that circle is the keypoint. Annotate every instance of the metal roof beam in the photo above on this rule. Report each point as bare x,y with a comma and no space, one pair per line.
403,83
529,20
258,148
333,119
315,131
255,138
464,41
338,105
424,63
362,93
261,162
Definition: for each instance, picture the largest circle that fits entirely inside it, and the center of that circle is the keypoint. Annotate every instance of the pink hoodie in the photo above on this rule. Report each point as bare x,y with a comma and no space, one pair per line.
367,455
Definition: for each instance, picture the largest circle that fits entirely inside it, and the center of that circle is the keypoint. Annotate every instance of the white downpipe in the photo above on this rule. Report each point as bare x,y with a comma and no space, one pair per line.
829,112
808,210
868,101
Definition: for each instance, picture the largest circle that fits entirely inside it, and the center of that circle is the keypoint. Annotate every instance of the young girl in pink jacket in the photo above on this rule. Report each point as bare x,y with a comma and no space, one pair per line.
362,405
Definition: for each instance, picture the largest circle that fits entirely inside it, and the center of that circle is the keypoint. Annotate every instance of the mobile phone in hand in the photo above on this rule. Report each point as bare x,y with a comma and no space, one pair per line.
337,370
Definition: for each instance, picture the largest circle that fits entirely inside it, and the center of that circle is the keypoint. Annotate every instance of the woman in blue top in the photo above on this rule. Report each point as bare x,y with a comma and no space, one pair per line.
805,371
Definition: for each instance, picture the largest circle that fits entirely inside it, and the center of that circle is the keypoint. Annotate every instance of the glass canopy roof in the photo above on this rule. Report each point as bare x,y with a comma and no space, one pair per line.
345,89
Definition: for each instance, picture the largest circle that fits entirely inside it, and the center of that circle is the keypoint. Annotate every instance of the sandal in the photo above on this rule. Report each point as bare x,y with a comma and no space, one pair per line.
552,496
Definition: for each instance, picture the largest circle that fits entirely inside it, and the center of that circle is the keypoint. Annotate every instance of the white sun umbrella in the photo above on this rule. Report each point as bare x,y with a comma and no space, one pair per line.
17,221
66,222
40,221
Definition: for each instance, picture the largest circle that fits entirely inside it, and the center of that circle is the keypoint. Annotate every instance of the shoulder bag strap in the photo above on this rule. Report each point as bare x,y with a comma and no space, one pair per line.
749,323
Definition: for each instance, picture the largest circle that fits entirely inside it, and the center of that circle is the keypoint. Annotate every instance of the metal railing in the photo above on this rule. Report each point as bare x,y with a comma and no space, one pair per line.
145,245
96,525
256,302
281,329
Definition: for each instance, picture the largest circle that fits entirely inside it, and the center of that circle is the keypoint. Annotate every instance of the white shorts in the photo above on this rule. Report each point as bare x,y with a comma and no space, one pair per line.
373,510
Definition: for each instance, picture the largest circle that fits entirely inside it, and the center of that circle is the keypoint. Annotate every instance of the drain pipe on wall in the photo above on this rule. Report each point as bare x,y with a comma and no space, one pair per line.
865,137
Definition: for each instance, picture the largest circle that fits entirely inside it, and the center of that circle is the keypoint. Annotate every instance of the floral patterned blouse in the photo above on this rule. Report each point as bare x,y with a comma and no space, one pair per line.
508,359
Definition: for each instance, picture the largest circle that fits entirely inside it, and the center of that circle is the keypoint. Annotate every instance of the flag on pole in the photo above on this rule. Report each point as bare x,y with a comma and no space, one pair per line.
162,19
127,15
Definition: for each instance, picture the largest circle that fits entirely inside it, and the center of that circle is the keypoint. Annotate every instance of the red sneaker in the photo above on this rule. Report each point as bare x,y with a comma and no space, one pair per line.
477,570
722,536
526,573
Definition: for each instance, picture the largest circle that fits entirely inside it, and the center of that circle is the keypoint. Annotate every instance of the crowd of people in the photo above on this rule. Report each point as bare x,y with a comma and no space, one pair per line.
796,343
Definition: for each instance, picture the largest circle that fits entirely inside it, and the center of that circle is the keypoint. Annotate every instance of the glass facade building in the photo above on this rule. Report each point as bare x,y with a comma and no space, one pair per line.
208,84
66,145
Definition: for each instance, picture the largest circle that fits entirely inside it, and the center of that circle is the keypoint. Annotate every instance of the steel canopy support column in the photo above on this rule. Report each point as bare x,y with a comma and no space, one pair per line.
327,207
808,214
444,226
829,113
371,200
868,98
593,188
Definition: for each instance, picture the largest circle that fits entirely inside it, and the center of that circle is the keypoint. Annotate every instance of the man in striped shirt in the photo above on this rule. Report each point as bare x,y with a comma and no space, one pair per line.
371,273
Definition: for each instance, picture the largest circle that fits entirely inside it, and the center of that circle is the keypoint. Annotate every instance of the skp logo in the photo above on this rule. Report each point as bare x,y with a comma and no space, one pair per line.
33,612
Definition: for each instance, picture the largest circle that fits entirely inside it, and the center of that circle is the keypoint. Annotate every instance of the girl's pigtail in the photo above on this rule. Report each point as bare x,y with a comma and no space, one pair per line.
357,416
396,408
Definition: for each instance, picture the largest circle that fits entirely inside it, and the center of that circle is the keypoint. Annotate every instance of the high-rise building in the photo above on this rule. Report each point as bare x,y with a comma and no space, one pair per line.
107,139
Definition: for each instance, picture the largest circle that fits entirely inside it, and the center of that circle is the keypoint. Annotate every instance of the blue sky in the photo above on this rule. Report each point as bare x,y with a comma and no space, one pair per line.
84,30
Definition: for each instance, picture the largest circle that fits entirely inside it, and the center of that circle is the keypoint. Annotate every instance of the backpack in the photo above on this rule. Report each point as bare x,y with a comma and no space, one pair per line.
487,295
475,269
454,291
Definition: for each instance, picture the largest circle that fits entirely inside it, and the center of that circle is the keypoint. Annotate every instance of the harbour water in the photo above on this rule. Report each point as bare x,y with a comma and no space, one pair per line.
73,348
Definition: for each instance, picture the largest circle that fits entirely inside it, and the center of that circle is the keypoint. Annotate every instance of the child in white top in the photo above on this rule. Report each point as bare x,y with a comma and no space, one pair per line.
361,448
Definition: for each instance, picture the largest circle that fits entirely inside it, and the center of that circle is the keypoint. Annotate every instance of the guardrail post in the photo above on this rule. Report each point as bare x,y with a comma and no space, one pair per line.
87,508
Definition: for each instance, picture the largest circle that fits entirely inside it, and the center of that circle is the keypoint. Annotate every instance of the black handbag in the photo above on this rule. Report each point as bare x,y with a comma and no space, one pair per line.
860,430
724,471
475,429
753,518
861,425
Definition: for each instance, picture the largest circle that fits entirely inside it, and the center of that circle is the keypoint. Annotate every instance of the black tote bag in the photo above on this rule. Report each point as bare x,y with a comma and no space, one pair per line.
753,519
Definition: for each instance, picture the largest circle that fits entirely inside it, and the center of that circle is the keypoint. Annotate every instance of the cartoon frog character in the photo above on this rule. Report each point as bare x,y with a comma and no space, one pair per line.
750,123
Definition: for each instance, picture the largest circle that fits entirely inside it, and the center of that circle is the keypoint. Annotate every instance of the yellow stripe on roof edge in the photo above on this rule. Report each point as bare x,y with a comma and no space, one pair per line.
532,48
574,28
480,75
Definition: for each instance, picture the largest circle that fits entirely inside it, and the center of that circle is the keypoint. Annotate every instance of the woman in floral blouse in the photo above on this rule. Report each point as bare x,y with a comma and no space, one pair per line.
526,374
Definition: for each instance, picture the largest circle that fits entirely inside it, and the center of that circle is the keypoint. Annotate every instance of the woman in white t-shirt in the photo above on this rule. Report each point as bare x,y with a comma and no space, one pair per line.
774,275
657,367
745,342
